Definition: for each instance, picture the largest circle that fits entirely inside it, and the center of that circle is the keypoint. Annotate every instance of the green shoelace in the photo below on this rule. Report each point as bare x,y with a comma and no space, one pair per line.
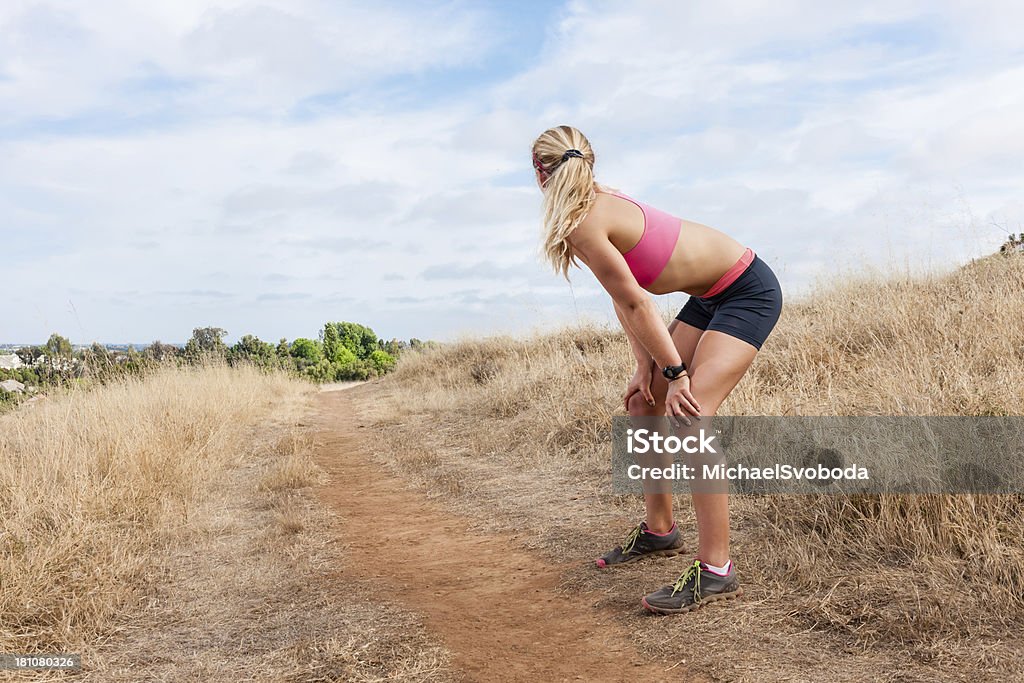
692,573
631,539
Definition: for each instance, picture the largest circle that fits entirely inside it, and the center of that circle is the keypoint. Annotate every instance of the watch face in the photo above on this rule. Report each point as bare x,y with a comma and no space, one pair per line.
673,371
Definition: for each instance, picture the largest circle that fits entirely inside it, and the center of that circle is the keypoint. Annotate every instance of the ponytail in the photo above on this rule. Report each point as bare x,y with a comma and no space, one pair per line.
565,161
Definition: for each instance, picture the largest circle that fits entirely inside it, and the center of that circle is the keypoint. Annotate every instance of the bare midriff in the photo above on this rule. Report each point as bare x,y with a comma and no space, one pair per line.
701,256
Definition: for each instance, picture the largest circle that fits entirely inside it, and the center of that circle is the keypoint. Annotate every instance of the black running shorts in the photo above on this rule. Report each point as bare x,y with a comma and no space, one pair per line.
747,309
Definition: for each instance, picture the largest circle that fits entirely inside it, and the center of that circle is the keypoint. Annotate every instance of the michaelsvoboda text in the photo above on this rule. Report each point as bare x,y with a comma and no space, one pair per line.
644,441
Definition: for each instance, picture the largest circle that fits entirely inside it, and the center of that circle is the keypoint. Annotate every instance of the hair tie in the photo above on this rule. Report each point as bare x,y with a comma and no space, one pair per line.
572,153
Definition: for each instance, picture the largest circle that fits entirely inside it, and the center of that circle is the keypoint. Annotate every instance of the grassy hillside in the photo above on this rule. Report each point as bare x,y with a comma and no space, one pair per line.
515,432
93,482
163,527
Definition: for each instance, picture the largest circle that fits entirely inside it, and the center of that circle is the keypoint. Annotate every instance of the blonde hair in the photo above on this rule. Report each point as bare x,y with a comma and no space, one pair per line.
569,190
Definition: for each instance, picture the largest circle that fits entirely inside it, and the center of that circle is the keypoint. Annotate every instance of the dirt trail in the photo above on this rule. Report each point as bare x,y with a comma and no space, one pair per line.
492,604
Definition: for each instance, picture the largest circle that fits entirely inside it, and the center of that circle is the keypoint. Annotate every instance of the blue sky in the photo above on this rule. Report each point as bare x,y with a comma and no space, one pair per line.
267,166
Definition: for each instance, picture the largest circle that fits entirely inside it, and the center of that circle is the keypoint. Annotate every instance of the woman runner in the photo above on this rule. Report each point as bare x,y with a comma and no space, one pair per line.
683,371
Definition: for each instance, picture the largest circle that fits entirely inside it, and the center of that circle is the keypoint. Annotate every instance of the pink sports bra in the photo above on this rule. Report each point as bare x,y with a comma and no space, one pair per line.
651,254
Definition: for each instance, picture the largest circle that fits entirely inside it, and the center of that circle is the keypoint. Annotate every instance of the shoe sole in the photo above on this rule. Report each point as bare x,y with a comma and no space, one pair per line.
668,552
689,608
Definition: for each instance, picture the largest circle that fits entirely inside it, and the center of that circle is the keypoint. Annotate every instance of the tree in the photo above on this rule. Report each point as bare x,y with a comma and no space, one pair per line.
359,339
160,352
206,341
30,354
57,347
98,356
59,365
134,362
283,350
382,361
306,350
332,342
344,357
393,347
251,348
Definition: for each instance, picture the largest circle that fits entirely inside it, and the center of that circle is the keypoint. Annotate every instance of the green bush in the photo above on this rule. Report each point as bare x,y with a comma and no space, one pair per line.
321,371
383,362
251,349
307,351
356,371
345,351
343,356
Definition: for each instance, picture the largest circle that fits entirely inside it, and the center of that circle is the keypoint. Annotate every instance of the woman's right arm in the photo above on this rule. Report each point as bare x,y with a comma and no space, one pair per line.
641,382
639,314
639,352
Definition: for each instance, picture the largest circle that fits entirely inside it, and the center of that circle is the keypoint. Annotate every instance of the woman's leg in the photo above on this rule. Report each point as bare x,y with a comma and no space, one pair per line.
659,505
719,362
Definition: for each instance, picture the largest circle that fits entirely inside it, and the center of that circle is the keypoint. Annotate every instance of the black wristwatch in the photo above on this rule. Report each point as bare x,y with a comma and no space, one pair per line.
672,372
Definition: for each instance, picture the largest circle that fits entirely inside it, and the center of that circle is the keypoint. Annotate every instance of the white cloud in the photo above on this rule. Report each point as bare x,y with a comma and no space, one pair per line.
205,149
220,57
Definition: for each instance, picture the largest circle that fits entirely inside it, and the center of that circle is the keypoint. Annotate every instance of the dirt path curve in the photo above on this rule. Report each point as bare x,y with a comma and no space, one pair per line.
493,605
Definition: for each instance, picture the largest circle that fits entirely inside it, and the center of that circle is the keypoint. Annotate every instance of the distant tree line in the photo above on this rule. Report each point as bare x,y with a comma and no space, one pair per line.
342,351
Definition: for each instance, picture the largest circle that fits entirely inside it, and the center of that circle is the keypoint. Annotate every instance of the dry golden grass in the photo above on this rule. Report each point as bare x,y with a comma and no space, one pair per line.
92,480
165,528
516,431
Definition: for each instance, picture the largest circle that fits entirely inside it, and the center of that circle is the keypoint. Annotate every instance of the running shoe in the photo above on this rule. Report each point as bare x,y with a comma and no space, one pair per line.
695,587
642,542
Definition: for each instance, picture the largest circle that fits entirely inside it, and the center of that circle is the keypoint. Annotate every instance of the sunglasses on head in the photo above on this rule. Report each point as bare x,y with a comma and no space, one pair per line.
536,163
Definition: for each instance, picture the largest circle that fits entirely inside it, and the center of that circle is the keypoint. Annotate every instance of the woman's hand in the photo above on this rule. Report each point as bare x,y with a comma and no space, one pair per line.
680,403
640,384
